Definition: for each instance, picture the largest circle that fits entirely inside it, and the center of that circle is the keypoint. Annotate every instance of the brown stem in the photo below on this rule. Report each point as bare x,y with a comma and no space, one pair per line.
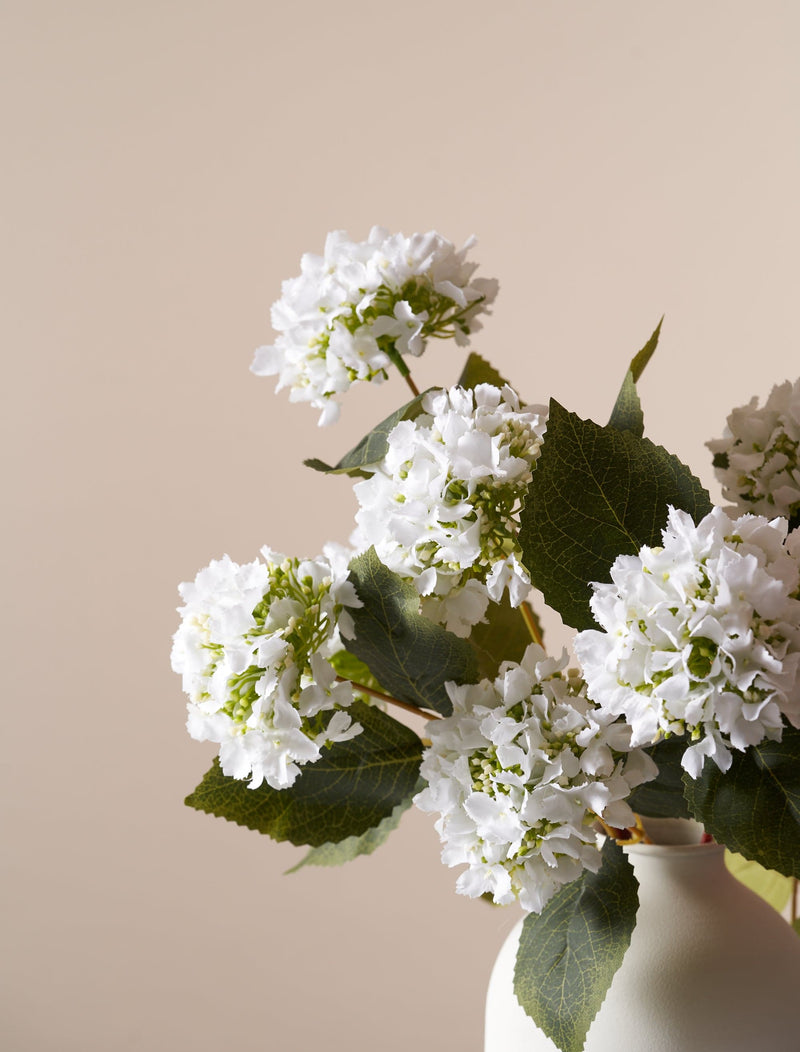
388,699
412,385
530,622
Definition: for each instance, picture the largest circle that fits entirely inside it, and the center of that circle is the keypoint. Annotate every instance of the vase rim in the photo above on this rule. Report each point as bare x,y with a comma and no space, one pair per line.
672,831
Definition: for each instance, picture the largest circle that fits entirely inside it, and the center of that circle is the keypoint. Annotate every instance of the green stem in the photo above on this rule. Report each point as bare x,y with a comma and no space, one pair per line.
439,328
396,358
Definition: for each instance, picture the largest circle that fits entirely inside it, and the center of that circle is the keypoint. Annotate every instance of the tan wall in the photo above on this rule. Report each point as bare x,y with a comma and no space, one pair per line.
164,166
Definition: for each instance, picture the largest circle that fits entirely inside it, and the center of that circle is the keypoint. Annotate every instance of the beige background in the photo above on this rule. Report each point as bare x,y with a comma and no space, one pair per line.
164,166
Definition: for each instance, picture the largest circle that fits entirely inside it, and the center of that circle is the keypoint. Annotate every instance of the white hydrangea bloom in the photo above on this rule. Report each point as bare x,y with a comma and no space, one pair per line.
362,301
757,460
253,649
442,507
701,636
519,774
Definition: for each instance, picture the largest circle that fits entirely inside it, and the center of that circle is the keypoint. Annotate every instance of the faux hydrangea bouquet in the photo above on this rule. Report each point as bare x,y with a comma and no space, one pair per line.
686,701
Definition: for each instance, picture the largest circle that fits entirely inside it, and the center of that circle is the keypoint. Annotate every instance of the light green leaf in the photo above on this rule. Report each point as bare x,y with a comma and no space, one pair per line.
504,636
596,493
627,414
353,846
373,447
478,371
349,790
348,666
773,887
412,657
663,797
754,807
569,954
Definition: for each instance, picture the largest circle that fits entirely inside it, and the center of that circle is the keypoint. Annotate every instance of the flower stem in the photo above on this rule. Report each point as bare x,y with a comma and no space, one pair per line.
412,385
380,696
530,622
396,358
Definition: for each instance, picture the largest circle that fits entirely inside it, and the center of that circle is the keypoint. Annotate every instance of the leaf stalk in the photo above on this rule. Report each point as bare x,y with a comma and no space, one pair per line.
530,623
380,696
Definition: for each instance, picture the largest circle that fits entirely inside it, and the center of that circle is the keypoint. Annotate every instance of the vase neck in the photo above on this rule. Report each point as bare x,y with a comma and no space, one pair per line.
673,830
680,863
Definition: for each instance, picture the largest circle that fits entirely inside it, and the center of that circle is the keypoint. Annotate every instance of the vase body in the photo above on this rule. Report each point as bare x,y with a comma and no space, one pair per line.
711,968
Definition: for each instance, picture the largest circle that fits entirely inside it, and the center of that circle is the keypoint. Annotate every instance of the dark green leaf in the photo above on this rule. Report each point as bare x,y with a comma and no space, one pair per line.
372,447
663,797
754,807
627,413
412,657
569,954
796,925
503,637
478,371
353,846
596,493
349,790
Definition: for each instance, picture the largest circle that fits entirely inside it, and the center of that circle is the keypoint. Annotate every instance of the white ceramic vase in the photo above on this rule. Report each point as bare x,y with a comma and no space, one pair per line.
711,968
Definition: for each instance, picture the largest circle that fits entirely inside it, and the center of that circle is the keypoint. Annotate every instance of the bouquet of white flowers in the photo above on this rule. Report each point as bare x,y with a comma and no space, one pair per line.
686,702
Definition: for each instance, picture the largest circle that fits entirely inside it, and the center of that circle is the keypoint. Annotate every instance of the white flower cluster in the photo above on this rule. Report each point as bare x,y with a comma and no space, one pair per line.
252,649
701,636
442,507
757,460
519,773
351,310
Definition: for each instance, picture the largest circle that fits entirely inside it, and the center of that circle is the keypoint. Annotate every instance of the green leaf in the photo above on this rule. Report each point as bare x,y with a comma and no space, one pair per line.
349,790
348,666
372,447
504,636
642,357
663,797
754,807
596,493
412,657
353,846
796,925
773,887
478,371
569,954
627,414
